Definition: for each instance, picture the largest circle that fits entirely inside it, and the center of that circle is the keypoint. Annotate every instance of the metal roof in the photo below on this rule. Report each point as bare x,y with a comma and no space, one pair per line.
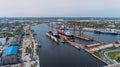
12,50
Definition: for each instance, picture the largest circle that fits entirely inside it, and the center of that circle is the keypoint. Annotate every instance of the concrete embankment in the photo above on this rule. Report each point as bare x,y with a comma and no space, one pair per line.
95,56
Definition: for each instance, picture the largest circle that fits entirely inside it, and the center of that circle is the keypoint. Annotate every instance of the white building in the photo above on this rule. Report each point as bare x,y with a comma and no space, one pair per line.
2,41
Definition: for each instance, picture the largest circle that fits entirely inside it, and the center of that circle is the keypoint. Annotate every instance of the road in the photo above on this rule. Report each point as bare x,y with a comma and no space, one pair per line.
104,55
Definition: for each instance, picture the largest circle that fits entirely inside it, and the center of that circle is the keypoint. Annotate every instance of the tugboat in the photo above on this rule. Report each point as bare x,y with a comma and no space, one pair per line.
106,31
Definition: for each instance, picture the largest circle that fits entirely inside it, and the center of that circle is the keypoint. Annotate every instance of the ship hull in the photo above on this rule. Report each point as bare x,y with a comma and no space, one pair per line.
63,33
101,32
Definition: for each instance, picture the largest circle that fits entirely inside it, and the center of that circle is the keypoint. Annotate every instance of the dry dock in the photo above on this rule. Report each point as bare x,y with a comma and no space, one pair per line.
99,41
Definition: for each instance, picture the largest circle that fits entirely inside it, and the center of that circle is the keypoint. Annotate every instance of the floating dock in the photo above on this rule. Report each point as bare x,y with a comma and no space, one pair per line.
76,45
83,37
99,41
52,37
93,45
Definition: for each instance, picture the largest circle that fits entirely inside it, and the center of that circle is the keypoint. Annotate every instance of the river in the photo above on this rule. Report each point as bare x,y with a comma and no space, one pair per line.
64,55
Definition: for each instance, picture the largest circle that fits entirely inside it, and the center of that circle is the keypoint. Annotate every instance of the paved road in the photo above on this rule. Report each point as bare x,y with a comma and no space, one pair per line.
104,55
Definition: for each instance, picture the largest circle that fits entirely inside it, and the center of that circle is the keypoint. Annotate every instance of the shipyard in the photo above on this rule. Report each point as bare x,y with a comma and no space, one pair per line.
68,31
59,33
30,41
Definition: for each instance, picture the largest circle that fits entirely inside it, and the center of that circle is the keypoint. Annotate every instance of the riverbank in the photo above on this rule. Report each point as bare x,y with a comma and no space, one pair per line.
29,45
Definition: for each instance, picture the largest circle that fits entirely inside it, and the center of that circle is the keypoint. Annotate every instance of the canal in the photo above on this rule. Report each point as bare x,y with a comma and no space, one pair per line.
64,55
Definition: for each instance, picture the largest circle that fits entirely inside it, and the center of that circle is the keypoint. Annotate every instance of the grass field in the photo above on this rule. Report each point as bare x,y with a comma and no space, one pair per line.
113,55
97,54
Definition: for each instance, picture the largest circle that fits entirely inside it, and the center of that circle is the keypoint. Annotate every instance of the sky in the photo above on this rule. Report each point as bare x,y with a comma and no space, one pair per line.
60,8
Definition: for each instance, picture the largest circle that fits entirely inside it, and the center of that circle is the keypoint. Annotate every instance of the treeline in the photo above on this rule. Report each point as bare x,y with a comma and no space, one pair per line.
94,24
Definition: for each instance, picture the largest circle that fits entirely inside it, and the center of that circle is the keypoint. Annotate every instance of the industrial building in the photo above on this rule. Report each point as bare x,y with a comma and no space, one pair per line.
16,40
10,54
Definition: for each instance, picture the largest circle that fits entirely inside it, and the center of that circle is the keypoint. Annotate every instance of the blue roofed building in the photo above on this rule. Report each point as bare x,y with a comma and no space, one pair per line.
12,50
11,53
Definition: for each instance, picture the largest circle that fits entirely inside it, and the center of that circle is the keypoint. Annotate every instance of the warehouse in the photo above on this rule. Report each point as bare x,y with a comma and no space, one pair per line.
16,40
10,54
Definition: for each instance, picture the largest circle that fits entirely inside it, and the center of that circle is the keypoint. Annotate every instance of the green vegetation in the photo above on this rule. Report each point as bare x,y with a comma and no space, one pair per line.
29,50
26,49
97,54
8,34
18,31
93,24
1,35
118,58
37,50
114,56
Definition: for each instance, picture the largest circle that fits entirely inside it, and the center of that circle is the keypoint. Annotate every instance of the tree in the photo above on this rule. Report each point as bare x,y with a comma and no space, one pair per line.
26,49
118,57
8,33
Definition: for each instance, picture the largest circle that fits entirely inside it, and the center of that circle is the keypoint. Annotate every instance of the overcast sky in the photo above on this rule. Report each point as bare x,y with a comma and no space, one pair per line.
65,8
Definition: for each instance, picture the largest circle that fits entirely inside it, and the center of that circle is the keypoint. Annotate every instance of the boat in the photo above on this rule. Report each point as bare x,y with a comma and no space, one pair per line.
106,31
54,33
66,33
61,32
